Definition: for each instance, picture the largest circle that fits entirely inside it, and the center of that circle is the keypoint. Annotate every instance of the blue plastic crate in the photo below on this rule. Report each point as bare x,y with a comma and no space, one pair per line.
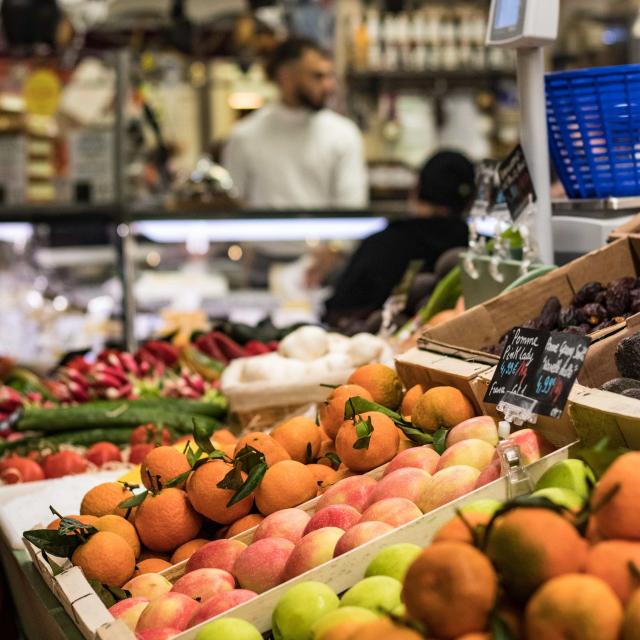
593,117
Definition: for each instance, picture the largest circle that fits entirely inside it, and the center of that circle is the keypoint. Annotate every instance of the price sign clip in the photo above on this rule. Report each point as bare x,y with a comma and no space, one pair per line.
513,469
518,409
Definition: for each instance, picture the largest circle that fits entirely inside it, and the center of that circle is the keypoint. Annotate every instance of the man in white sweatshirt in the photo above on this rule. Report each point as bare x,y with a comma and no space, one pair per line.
296,153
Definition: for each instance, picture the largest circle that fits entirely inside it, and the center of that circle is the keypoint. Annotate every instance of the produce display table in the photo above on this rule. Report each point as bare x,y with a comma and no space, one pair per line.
41,615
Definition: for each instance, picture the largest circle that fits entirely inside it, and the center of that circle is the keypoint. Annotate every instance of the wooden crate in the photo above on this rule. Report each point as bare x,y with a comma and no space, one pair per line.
74,593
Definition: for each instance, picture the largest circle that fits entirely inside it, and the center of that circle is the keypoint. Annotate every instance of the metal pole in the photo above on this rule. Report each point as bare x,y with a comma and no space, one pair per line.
124,238
533,112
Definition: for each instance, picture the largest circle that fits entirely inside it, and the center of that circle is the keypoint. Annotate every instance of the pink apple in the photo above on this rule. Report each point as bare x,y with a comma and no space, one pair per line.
409,483
260,566
533,445
480,428
221,603
490,473
354,491
342,516
219,554
424,458
129,611
203,584
286,523
473,453
447,485
359,535
173,610
314,549
148,585
158,634
393,511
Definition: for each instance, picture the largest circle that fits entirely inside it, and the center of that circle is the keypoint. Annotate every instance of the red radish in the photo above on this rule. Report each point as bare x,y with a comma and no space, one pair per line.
63,463
256,348
139,452
148,434
15,469
103,452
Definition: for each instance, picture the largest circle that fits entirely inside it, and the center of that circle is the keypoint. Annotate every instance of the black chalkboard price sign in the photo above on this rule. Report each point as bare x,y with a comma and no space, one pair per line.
540,366
516,183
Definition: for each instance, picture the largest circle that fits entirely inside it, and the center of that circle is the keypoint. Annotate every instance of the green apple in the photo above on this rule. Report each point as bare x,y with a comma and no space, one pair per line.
339,616
487,506
301,607
393,561
562,497
229,629
568,474
377,593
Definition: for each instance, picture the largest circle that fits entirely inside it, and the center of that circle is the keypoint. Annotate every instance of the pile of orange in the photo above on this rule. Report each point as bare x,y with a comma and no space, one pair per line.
555,582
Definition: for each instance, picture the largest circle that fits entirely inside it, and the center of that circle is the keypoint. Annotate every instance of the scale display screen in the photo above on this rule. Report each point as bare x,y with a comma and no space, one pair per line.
507,14
523,23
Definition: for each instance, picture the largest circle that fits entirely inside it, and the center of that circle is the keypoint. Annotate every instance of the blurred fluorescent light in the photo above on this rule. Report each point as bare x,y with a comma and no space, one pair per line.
18,233
256,230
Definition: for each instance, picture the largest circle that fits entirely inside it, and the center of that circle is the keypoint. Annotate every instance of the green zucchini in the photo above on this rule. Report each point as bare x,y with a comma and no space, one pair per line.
174,405
111,414
118,436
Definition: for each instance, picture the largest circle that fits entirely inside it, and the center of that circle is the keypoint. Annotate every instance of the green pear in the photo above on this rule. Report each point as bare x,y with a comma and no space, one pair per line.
338,616
562,497
487,506
377,593
393,561
569,474
300,608
229,629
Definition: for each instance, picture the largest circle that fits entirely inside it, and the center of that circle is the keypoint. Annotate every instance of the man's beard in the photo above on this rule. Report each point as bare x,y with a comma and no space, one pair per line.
307,102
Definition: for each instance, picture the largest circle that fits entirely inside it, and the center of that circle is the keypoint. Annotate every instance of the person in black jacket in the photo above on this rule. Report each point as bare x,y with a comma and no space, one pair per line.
437,223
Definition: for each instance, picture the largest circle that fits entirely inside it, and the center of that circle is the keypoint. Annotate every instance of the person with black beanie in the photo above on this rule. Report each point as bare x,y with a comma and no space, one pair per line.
436,223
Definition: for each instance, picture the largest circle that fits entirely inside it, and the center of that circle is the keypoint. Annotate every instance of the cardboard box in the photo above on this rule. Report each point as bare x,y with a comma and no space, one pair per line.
598,414
433,369
632,227
473,379
484,325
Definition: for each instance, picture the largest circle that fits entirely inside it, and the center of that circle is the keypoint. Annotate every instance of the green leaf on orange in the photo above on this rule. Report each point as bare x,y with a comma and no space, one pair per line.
248,458
333,458
50,541
357,405
134,501
233,480
202,436
364,430
439,440
254,478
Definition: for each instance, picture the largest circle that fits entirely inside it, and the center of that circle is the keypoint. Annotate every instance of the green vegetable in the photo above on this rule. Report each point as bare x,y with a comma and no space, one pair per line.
83,438
444,296
175,414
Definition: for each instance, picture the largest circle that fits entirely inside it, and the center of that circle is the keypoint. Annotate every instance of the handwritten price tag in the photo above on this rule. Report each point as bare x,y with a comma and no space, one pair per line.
541,366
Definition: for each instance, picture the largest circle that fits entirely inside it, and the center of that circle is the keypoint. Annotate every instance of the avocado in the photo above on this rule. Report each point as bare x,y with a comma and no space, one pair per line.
620,385
628,357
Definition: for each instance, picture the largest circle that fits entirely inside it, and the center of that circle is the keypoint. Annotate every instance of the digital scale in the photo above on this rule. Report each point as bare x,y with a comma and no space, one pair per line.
569,228
528,26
